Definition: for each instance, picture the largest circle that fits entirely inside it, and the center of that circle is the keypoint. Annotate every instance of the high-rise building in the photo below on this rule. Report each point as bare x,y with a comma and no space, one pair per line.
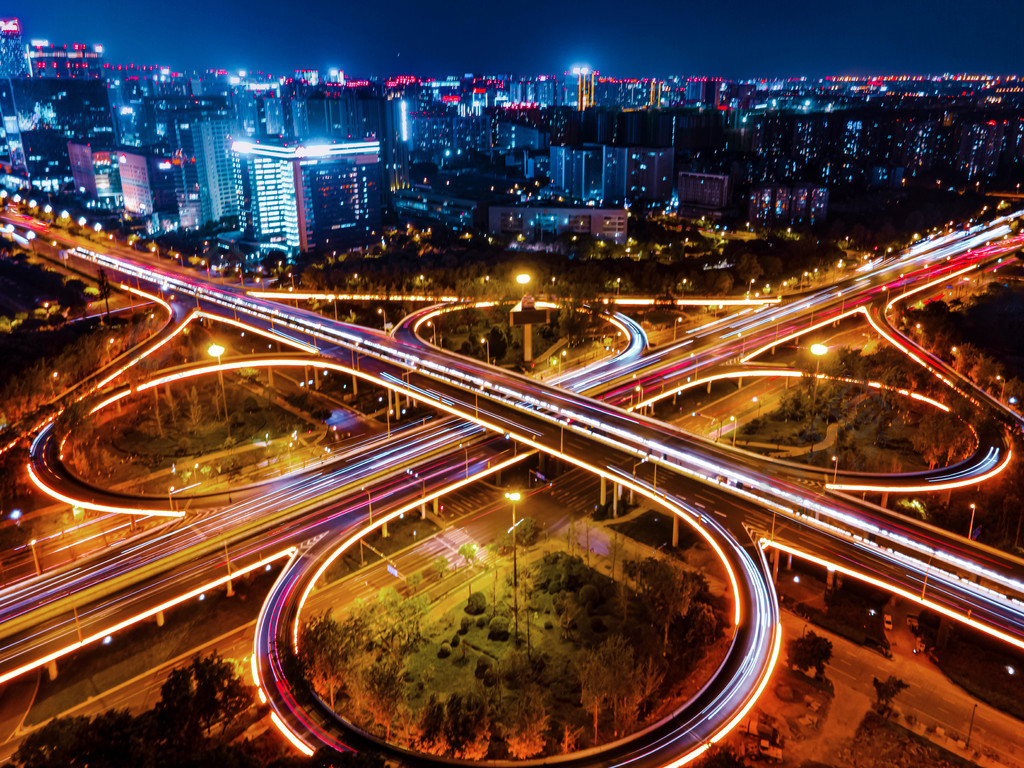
309,196
73,60
703,190
592,173
96,173
149,185
41,115
775,204
204,162
649,174
13,57
536,222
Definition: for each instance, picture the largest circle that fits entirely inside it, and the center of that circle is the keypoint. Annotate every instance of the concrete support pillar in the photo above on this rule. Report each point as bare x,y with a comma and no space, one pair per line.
159,618
789,561
51,670
616,492
830,580
885,499
528,343
384,530
675,531
437,506
423,511
604,491
270,377
709,387
775,565
355,385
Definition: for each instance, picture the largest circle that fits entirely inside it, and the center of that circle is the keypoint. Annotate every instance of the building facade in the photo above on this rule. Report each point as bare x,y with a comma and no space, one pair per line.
535,222
301,197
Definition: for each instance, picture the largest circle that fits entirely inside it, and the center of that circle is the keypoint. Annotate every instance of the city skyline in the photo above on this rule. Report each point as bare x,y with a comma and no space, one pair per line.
660,40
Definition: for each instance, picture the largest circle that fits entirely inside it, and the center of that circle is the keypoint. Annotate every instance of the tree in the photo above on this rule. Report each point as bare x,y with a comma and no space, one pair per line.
593,690
527,723
195,410
104,288
665,590
886,691
193,699
384,688
468,552
322,654
811,651
440,565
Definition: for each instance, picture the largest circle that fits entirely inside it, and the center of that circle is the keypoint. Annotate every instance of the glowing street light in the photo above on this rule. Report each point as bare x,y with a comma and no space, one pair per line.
835,471
970,528
487,344
216,350
35,557
818,350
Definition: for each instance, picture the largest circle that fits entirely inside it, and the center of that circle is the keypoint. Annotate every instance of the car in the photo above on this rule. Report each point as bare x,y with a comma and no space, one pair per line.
887,622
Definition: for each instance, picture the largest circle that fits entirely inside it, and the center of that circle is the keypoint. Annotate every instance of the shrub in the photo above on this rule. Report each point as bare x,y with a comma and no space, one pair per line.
498,629
444,651
490,677
548,624
456,640
465,624
482,665
476,604
481,622
596,625
589,596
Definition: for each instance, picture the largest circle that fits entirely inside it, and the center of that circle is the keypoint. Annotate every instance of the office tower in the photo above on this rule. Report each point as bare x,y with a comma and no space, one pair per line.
149,186
41,115
13,59
71,60
592,173
96,173
204,163
309,196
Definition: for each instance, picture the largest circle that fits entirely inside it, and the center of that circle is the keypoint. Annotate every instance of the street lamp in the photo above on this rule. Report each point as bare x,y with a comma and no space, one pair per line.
380,311
487,344
514,496
835,471
756,400
523,279
675,328
35,557
970,528
733,420
216,350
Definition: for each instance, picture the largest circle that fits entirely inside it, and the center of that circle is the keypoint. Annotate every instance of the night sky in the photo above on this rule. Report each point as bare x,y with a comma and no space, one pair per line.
727,38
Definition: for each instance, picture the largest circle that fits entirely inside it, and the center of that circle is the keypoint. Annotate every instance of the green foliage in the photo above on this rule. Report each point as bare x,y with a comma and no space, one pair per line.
498,628
476,604
812,651
887,690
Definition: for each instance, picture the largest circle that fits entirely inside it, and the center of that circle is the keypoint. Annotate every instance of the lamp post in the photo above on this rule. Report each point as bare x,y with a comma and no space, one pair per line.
733,420
523,279
756,400
970,528
35,557
216,350
970,728
380,311
487,345
514,496
835,471
675,328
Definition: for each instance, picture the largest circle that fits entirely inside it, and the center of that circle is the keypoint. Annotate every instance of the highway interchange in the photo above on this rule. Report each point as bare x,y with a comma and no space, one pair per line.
309,519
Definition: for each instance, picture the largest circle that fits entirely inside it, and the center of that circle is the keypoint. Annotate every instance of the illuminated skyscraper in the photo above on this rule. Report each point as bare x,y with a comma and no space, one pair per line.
73,60
13,57
301,197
